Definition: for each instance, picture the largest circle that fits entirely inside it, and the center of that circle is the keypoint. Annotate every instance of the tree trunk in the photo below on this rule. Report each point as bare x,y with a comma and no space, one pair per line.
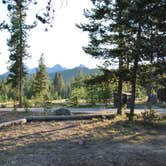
149,94
13,122
120,82
20,57
119,109
133,90
69,117
149,86
134,74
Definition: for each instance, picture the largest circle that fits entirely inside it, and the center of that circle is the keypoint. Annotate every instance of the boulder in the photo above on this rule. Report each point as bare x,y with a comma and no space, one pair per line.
62,111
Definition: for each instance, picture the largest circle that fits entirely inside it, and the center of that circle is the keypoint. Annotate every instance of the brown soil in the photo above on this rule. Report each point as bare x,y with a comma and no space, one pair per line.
83,143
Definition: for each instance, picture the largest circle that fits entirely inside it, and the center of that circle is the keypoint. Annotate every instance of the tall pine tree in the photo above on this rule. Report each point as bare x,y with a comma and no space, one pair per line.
143,21
17,46
128,32
40,86
58,84
18,40
108,36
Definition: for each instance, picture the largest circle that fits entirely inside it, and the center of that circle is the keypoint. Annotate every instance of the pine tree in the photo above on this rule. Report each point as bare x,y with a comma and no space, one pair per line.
40,86
58,84
128,32
3,91
108,36
17,42
17,45
78,90
144,26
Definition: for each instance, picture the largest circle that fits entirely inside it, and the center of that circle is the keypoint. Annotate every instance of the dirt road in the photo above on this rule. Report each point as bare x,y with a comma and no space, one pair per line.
85,110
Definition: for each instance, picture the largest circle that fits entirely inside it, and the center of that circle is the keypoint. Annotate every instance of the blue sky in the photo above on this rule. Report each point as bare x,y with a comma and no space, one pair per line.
62,44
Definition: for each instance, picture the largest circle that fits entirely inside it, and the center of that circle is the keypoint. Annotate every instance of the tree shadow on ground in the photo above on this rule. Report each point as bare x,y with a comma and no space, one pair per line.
34,134
96,143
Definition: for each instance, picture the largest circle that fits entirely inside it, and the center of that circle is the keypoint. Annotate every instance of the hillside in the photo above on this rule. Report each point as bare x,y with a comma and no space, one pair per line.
4,76
53,69
67,74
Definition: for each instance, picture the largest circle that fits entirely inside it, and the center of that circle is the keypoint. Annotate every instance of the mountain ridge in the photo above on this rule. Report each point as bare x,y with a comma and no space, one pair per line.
55,68
67,74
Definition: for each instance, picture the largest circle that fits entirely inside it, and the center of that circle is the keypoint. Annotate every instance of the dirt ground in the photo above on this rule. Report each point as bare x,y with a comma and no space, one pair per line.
83,143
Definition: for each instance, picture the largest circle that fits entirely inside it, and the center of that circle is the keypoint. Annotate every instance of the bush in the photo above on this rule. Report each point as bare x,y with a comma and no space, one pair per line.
74,101
46,103
3,106
150,117
26,104
46,106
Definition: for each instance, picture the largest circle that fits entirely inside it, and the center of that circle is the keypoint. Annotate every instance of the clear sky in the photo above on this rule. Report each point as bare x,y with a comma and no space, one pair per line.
62,44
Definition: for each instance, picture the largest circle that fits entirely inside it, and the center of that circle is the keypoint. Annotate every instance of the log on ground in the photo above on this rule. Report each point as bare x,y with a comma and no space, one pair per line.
69,117
13,122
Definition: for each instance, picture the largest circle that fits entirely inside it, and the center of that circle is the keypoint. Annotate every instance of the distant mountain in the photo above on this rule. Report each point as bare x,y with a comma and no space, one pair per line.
4,76
67,74
55,68
32,71
81,66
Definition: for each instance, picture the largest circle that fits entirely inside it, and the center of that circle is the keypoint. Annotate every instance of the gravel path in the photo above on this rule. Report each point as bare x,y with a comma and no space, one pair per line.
86,110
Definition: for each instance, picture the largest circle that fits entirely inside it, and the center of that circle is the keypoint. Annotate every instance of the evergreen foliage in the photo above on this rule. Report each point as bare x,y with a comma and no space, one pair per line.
17,45
58,85
40,81
127,33
143,21
3,91
108,36
78,90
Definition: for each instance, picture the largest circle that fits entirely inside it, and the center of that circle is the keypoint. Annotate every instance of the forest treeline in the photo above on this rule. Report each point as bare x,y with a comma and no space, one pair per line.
90,89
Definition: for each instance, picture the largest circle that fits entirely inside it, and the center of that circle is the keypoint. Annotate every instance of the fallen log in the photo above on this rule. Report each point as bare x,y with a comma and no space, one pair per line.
13,122
68,117
56,118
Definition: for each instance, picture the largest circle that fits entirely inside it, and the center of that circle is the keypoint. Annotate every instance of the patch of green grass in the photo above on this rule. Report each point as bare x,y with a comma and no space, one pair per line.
110,127
162,122
153,132
98,119
139,137
126,132
132,141
129,124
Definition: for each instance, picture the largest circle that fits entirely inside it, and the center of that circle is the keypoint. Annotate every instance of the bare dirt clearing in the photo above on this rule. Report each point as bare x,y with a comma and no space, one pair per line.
77,143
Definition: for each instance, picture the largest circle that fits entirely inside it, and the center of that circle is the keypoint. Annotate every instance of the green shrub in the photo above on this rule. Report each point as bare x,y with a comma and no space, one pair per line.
26,104
46,103
3,106
124,107
150,117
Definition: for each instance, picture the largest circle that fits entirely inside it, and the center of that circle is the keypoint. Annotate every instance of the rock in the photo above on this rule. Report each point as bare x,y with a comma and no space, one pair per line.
62,111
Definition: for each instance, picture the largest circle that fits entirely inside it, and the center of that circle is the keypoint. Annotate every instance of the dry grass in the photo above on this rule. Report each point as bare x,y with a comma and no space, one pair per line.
93,142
